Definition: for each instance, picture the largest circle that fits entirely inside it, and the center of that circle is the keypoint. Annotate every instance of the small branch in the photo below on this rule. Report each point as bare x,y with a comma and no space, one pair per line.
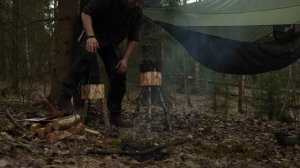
9,116
134,153
93,132
23,146
42,20
47,20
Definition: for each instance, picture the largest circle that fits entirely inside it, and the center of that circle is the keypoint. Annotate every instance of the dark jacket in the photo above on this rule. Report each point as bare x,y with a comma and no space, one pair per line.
113,20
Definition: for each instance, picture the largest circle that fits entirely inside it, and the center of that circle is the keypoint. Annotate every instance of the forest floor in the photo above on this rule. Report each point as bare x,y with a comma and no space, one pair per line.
214,140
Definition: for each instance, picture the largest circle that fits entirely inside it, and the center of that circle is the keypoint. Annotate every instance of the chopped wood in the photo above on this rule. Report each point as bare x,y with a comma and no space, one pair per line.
77,129
150,79
48,128
55,136
41,133
35,127
65,122
92,91
135,153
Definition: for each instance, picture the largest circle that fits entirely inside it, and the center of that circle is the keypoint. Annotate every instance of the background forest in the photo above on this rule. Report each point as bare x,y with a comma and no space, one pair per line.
36,51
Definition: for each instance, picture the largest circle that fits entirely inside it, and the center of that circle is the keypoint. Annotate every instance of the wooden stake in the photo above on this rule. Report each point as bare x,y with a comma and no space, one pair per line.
166,111
149,118
104,111
41,133
35,127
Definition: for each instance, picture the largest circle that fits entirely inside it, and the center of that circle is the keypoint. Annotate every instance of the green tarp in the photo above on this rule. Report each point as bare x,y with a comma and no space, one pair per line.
246,33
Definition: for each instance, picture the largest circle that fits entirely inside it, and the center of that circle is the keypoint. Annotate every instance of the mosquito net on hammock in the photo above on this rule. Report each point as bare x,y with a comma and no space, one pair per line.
235,36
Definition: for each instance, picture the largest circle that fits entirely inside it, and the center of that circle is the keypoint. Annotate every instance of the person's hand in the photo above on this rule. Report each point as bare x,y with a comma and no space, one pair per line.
92,45
122,66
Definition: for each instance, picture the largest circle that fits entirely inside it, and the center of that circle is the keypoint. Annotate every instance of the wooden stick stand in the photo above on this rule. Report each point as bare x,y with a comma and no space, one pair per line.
151,81
96,92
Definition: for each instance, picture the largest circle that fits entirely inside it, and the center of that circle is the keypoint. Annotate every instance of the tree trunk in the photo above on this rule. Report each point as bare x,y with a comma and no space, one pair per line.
3,50
14,53
64,44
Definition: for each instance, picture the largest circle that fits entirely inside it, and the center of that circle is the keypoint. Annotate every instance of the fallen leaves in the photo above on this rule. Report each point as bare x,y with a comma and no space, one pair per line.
216,141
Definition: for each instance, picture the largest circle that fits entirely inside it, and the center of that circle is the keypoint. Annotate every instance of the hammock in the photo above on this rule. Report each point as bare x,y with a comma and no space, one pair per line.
235,36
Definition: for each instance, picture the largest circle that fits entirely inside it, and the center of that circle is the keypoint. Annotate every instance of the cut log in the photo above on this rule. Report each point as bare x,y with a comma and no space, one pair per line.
92,92
77,129
150,79
65,122
35,127
41,133
55,136
48,128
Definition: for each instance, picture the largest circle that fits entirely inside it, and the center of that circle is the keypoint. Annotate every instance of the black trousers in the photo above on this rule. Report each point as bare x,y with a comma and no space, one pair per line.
86,70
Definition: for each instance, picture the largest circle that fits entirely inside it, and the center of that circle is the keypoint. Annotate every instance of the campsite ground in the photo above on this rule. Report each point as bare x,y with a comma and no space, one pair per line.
214,140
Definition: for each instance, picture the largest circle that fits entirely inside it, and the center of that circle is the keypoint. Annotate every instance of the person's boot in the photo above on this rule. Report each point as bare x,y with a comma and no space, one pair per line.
118,121
65,105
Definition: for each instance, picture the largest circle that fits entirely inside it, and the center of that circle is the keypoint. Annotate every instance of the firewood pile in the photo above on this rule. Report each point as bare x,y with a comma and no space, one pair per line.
54,128
58,129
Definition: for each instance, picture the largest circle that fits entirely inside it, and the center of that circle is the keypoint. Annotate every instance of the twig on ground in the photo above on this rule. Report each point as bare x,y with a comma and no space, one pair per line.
23,146
9,116
90,131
